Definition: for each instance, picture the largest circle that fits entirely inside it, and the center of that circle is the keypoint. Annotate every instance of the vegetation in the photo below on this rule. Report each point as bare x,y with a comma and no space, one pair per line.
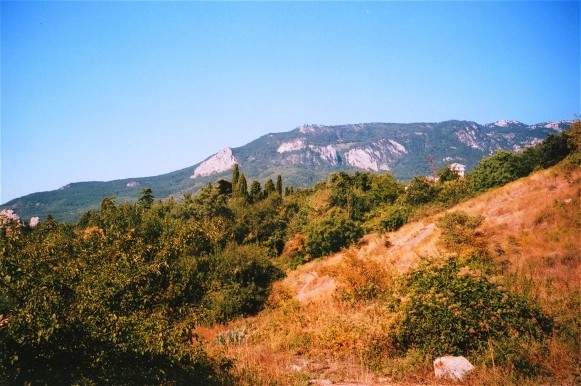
451,308
120,296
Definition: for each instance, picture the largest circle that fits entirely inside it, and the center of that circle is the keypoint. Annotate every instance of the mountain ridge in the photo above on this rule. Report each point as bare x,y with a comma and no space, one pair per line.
306,155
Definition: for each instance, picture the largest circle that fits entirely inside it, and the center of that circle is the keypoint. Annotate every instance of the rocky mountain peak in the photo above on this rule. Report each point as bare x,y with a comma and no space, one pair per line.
219,162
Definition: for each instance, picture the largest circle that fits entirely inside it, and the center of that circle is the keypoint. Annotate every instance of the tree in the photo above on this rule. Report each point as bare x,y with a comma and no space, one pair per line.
335,231
446,174
224,187
146,199
241,189
235,176
255,191
384,189
420,191
279,185
499,169
547,153
269,187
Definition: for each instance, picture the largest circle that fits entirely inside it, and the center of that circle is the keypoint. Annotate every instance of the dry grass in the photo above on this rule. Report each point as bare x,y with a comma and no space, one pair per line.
310,332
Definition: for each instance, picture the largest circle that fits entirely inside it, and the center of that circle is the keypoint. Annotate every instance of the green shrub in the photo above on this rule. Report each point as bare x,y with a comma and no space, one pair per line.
114,300
420,191
497,170
238,280
450,309
394,217
459,230
333,232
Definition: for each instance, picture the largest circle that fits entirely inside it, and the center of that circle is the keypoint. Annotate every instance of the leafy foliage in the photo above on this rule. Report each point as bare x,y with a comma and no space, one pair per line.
420,191
114,299
451,309
504,167
333,232
499,169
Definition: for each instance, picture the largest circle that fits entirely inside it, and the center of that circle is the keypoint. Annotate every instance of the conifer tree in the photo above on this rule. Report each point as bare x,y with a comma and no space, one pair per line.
146,199
269,187
235,177
242,187
279,184
255,191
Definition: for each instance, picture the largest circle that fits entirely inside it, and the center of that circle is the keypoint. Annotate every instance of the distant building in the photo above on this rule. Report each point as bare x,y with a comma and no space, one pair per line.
458,169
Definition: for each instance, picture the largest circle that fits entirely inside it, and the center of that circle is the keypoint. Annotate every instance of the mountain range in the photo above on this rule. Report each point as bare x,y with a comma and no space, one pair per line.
306,155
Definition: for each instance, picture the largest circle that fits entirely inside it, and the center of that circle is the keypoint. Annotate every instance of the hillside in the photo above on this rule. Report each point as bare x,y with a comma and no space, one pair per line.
311,335
304,156
157,291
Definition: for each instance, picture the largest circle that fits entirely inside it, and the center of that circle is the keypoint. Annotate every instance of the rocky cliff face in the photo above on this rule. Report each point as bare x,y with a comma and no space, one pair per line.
219,162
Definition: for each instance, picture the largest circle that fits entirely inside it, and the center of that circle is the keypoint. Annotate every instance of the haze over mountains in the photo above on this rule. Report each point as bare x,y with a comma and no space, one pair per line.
306,155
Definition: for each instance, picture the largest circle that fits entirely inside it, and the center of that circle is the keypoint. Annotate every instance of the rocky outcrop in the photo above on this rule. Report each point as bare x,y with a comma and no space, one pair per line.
219,162
453,368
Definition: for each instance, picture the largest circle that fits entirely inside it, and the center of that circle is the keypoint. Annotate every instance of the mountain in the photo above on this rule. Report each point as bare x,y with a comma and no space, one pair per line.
306,155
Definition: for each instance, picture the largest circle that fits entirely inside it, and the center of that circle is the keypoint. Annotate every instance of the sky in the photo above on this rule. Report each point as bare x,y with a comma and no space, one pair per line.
97,91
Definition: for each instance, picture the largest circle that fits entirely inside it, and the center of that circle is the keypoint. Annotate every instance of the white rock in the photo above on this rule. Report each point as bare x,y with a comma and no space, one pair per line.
327,153
398,147
361,158
219,162
454,368
505,123
297,144
468,137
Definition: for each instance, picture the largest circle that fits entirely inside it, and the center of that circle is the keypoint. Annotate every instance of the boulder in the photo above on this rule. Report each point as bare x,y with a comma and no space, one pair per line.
454,368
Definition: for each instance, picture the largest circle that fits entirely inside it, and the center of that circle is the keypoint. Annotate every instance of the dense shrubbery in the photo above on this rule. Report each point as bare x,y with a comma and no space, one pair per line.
450,308
503,166
333,232
114,299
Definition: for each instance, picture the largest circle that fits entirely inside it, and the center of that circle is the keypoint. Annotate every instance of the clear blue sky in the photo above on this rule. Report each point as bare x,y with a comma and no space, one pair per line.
108,90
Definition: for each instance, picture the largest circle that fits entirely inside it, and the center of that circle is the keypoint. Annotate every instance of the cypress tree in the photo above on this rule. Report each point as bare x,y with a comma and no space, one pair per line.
235,176
255,191
242,187
279,184
269,187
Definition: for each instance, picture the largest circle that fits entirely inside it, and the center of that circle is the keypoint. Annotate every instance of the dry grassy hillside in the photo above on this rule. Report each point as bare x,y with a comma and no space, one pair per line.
324,323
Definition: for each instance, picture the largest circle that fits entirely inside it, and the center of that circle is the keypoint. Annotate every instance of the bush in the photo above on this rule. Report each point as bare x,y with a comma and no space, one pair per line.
114,300
420,191
333,232
497,170
239,280
459,230
449,309
360,279
394,217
